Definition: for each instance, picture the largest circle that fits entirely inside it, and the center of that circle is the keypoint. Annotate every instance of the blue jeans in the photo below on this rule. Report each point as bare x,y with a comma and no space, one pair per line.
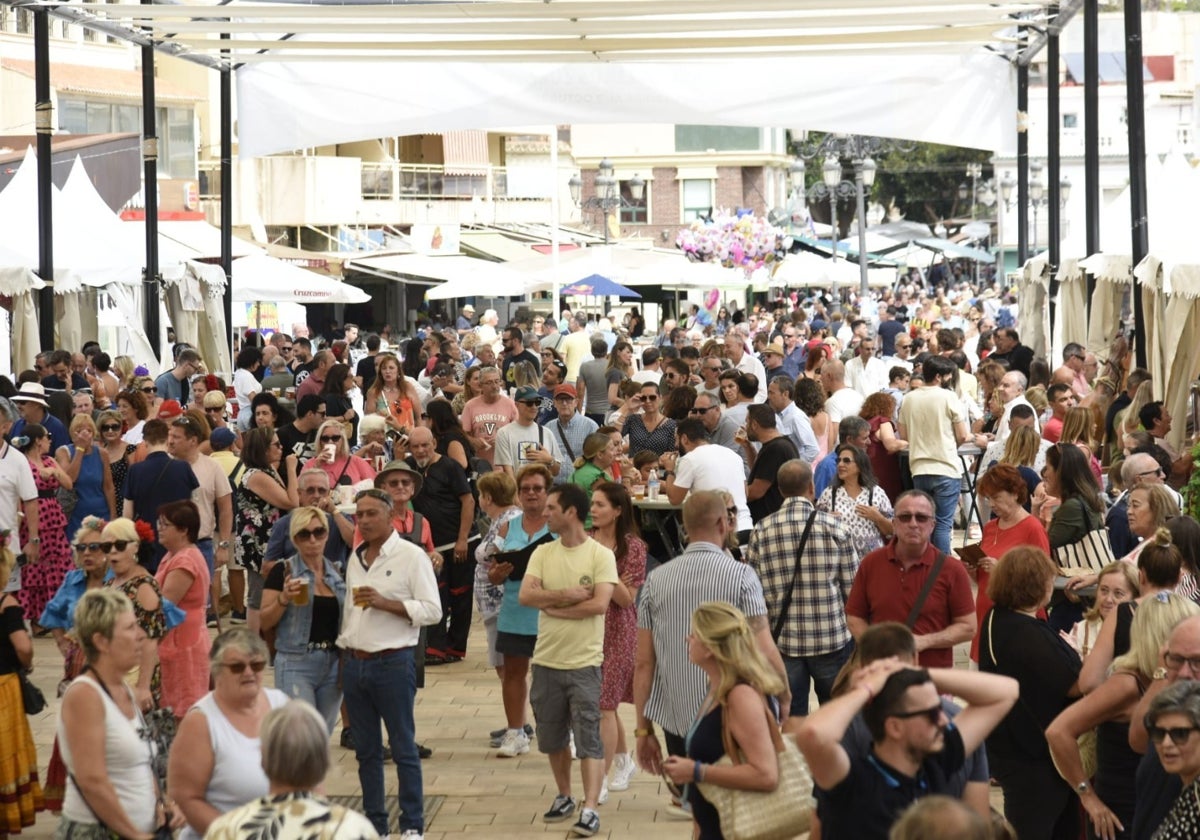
822,670
385,689
311,676
208,552
945,493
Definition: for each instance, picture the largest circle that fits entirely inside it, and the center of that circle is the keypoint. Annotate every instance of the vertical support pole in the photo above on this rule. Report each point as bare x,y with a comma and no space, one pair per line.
1053,168
1022,161
1091,135
44,120
150,284
860,190
1136,123
226,128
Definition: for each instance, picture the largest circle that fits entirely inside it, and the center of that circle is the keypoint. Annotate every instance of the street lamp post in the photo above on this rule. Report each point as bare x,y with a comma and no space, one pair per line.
1037,193
608,192
831,187
860,151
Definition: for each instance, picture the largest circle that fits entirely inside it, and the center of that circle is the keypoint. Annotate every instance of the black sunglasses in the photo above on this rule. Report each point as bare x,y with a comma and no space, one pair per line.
256,666
119,545
150,390
1178,734
918,517
90,546
330,438
111,427
311,534
933,714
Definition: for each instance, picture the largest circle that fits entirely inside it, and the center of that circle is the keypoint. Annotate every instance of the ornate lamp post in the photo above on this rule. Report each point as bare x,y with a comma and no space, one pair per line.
608,192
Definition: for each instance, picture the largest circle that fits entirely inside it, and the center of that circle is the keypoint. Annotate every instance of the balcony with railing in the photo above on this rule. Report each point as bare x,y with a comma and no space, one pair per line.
382,181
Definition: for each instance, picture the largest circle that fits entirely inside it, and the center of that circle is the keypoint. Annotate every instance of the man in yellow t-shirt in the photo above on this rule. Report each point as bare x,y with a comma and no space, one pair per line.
571,581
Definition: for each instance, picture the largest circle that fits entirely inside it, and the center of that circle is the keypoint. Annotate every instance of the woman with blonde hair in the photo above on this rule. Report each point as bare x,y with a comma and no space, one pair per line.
740,683
594,462
120,542
123,367
86,463
1128,420
1109,798
334,457
1077,429
1117,584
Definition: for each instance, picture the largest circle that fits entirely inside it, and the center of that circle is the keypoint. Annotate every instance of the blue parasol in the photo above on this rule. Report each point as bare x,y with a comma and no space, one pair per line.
596,285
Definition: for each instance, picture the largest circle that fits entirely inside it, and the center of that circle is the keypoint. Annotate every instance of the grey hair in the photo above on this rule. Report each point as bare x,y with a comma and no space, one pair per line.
1134,464
1020,378
295,746
239,639
8,411
1181,698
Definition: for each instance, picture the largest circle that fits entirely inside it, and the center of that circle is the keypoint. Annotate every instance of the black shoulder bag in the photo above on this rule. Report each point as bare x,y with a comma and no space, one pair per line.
787,597
923,595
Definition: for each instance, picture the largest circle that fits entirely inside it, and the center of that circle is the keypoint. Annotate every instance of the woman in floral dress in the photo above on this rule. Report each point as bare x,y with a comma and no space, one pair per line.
861,504
40,580
263,496
121,540
615,528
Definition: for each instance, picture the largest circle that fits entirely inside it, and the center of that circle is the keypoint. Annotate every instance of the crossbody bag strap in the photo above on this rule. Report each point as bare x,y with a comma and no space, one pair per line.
787,597
563,437
923,596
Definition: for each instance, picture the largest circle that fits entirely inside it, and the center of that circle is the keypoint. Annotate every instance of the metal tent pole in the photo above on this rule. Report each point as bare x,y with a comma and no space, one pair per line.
150,191
1136,124
1091,135
226,108
1053,167
1022,162
44,117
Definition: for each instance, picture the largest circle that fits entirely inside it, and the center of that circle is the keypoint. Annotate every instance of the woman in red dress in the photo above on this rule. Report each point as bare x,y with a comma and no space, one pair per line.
40,580
1011,526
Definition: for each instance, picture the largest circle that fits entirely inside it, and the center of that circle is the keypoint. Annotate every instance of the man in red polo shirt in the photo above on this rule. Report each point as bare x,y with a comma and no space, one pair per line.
890,579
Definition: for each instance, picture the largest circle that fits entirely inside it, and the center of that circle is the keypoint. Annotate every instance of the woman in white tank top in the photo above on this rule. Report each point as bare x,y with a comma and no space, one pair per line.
216,759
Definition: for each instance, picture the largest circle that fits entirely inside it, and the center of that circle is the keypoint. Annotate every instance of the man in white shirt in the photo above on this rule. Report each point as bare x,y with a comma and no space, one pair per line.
735,351
790,420
523,441
651,370
841,400
902,358
391,594
706,467
1012,393
865,373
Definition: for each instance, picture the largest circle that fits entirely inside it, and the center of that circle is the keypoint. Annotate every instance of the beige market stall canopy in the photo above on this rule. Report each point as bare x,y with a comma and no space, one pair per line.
935,70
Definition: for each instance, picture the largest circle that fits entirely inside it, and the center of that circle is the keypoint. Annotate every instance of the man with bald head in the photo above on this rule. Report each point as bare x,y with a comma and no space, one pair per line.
1072,372
445,500
841,400
1155,789
1139,468
1012,393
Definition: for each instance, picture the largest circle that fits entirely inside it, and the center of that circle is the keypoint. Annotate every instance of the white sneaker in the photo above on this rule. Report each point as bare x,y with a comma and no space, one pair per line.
603,798
515,743
622,771
412,834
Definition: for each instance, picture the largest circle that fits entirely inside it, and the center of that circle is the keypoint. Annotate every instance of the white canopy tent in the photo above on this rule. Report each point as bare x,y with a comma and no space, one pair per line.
455,275
259,277
806,270
862,66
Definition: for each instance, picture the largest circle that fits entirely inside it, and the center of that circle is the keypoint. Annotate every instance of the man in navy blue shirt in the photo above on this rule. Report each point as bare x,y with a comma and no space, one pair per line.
916,749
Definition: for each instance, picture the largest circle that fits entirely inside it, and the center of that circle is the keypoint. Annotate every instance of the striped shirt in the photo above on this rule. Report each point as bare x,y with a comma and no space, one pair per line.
816,619
667,600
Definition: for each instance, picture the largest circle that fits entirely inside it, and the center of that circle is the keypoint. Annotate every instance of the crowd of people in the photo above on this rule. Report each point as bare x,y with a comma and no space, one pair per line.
712,522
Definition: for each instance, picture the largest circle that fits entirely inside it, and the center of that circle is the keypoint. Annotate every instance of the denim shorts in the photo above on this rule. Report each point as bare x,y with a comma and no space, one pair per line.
564,702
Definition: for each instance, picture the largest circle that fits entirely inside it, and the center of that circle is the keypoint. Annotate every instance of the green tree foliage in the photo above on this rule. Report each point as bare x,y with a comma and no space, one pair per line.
924,183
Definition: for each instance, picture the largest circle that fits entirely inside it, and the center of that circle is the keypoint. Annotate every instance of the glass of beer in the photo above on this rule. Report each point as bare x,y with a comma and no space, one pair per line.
301,597
359,598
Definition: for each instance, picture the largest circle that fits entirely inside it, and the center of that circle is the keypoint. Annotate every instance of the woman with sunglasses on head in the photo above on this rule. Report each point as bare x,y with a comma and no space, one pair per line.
86,463
92,572
304,596
853,497
111,787
40,580
264,493
216,759
334,457
184,579
120,542
1109,797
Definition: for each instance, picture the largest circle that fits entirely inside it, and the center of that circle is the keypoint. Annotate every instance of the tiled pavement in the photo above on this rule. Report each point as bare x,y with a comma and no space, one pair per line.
455,712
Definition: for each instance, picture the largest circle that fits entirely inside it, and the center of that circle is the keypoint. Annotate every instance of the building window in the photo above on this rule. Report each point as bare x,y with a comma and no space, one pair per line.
174,126
719,138
696,199
634,212
1070,120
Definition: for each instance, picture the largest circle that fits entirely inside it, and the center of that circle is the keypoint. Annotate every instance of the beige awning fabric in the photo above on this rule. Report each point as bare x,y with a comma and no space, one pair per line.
465,152
494,246
1033,316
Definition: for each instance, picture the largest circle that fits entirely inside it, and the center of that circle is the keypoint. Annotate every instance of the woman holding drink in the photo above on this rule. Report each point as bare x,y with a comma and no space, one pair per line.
304,595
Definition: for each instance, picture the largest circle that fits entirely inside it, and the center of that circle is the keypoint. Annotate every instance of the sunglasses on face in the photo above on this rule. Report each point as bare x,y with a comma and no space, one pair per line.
1179,734
89,546
649,397
933,714
256,666
914,517
311,534
111,427
330,438
150,390
845,460
118,545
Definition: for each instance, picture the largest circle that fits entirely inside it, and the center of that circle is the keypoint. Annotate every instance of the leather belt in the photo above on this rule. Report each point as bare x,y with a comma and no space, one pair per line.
375,654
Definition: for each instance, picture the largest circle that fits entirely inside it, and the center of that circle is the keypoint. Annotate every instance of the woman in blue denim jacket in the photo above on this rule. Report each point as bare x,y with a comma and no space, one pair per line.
304,596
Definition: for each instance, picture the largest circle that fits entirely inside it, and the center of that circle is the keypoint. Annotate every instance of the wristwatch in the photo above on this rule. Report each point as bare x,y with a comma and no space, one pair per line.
1082,788
34,540
642,733
1160,673
223,544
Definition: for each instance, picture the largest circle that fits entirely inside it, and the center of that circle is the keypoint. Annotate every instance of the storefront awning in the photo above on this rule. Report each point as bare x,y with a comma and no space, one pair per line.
465,152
